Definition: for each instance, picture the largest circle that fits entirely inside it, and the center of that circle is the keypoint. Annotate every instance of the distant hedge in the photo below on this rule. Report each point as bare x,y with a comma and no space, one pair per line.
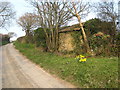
4,39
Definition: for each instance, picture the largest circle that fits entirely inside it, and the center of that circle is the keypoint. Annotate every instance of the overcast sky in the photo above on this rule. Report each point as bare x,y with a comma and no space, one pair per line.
21,7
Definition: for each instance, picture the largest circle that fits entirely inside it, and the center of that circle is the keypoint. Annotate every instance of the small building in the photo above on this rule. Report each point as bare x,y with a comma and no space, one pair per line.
66,39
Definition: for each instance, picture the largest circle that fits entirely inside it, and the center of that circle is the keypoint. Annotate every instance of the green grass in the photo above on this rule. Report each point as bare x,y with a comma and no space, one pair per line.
3,43
95,73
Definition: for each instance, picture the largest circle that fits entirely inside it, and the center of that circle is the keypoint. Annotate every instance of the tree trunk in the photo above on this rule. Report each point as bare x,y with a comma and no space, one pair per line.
57,40
84,35
83,31
27,36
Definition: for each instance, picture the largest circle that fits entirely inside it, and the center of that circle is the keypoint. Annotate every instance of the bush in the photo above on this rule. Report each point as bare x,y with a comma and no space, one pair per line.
101,45
94,26
39,38
78,43
118,44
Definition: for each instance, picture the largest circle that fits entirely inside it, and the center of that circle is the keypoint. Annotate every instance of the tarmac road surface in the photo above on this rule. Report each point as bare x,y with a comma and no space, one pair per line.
16,71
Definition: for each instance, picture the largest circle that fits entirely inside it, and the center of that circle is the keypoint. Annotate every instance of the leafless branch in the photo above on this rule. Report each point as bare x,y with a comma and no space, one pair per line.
6,13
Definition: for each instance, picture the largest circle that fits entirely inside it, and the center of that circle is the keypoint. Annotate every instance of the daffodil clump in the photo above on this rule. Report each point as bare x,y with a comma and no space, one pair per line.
81,58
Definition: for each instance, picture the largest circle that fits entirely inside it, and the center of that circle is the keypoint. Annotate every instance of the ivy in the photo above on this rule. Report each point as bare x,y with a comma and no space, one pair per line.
78,46
39,37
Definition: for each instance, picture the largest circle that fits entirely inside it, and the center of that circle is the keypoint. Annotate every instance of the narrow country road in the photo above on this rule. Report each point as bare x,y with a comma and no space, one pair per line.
19,72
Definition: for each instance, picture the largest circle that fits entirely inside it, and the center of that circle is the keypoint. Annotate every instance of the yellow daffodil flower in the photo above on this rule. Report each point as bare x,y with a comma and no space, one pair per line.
81,58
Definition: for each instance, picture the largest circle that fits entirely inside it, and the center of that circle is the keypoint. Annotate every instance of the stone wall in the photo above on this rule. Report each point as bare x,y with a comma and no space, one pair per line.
66,42
21,39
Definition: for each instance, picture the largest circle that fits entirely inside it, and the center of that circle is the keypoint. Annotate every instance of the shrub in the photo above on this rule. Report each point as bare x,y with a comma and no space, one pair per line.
118,44
95,25
39,38
99,43
78,43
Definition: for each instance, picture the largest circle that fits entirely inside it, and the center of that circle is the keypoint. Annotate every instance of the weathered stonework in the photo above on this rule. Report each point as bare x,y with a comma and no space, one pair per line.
66,42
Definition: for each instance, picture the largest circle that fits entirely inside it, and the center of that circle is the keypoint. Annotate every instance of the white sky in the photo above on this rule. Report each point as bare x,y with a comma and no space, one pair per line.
21,7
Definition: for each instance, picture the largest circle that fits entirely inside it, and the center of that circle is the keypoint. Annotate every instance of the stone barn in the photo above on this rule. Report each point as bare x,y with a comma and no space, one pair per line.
66,39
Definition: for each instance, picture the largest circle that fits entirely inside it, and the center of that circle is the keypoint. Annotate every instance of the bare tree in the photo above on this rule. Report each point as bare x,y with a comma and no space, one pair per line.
52,15
80,9
6,13
106,12
28,22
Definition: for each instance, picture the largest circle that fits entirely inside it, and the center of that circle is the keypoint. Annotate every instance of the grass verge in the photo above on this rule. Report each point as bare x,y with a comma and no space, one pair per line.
95,73
3,43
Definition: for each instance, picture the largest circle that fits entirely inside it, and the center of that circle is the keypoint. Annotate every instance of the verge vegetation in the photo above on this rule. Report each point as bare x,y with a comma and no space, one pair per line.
96,72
